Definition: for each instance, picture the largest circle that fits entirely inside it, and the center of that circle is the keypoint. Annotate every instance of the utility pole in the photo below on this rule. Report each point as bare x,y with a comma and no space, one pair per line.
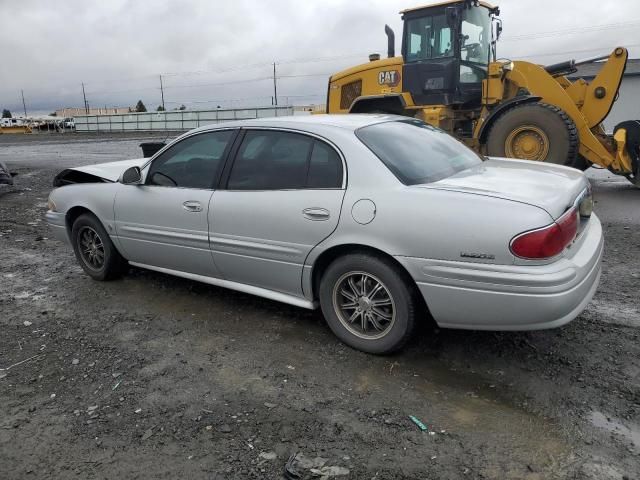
24,105
162,93
86,105
275,85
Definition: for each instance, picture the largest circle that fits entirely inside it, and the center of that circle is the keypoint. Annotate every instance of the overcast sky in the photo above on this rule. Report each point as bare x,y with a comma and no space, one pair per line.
214,52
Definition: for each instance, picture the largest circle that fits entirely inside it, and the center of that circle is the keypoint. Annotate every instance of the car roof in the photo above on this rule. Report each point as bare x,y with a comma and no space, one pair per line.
350,122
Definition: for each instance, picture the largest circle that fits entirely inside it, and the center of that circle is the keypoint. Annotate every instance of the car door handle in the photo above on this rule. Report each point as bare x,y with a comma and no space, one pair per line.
316,213
192,206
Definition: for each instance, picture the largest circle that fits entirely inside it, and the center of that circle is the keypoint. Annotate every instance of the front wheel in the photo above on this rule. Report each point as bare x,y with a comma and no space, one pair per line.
368,303
535,131
94,250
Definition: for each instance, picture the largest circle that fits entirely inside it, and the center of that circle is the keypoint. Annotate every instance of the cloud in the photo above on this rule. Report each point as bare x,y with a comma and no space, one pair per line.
118,48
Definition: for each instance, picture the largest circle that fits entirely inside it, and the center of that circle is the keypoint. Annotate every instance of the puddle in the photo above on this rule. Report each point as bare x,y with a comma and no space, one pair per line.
615,425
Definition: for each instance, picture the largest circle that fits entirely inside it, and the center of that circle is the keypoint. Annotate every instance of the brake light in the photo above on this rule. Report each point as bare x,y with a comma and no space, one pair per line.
547,241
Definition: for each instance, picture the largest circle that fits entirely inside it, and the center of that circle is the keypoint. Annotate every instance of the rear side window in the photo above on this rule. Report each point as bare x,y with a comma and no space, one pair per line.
325,167
275,160
416,152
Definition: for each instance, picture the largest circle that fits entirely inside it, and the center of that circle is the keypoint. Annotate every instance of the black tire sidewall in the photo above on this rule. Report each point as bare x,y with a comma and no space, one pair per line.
112,259
540,116
398,287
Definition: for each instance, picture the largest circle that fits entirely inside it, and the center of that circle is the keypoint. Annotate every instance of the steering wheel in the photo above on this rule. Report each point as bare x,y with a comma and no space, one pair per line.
474,50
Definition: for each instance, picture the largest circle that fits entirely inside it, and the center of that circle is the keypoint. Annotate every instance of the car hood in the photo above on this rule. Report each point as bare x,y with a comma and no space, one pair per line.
110,171
553,188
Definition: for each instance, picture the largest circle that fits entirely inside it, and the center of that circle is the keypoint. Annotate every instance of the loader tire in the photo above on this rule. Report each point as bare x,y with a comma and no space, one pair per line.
535,131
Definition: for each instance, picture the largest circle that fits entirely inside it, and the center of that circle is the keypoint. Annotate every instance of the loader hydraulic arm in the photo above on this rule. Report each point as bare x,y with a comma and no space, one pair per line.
602,91
587,104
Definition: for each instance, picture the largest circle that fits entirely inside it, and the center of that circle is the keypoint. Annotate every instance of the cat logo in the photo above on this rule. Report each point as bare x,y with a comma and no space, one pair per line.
389,77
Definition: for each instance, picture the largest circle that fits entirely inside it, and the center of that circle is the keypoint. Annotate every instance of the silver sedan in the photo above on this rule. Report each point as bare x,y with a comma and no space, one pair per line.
381,221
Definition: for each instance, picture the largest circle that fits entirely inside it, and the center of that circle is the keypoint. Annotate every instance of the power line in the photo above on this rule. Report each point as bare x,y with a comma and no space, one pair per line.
248,80
306,75
568,52
222,100
102,93
570,31
265,64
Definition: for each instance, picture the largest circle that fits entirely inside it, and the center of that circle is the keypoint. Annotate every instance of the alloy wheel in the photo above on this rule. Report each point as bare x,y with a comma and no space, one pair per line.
364,305
91,248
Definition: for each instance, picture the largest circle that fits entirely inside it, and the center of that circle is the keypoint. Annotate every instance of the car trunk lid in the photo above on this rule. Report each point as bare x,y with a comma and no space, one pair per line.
553,188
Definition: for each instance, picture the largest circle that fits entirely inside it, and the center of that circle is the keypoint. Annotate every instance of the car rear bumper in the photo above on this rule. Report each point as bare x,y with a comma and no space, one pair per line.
511,297
57,225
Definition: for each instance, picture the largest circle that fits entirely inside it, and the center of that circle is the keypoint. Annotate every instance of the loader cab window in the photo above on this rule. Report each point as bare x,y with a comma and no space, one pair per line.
475,38
427,38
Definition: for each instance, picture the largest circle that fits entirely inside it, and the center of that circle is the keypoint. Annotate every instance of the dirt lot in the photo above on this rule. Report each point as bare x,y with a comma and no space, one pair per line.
159,377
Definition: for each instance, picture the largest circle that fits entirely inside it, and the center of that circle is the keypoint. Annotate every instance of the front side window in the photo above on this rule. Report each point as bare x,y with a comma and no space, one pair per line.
416,152
275,160
475,46
428,37
194,162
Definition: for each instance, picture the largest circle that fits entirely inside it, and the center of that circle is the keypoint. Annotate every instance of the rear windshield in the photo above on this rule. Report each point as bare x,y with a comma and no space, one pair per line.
417,152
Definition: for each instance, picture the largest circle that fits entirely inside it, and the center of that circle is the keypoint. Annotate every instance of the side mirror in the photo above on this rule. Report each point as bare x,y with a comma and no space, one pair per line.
131,176
498,29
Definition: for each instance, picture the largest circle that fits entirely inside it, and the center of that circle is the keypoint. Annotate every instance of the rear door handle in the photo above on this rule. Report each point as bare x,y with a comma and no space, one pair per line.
192,206
316,213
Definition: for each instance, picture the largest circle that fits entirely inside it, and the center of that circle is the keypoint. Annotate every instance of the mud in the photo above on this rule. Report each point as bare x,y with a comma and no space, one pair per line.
158,377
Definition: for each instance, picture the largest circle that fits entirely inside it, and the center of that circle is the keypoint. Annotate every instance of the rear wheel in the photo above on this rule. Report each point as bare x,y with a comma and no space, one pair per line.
535,131
368,303
94,250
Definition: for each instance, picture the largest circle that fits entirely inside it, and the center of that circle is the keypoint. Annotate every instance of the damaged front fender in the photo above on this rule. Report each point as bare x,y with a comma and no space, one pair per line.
100,173
70,176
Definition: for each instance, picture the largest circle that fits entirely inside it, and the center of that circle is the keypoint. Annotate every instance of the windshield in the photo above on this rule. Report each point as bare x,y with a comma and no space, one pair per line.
417,152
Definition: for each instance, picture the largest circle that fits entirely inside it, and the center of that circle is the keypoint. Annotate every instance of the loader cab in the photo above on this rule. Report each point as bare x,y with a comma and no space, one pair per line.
446,49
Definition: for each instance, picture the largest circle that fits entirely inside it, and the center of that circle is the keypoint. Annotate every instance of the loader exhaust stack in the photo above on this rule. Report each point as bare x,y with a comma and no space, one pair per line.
391,41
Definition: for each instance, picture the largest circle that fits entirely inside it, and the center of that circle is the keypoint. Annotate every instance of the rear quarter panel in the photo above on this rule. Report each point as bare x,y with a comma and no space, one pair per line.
437,224
424,222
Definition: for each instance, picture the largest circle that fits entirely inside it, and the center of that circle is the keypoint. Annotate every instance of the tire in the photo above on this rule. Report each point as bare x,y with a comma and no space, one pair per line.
632,128
581,163
395,318
535,131
102,261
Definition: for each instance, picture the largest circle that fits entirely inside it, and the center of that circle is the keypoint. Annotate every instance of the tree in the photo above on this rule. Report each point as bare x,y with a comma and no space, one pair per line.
160,108
140,107
182,107
53,114
6,114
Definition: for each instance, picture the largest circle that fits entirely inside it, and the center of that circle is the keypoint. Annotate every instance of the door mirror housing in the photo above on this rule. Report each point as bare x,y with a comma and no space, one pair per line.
498,29
131,176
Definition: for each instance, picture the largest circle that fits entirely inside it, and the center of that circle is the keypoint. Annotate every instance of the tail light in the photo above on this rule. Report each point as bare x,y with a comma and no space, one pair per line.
547,241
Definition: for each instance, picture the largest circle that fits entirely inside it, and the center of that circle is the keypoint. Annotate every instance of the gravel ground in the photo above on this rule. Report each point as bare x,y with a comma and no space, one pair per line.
152,376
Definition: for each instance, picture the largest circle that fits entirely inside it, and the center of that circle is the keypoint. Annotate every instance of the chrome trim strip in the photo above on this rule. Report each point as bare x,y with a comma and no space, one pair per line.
164,233
240,287
259,246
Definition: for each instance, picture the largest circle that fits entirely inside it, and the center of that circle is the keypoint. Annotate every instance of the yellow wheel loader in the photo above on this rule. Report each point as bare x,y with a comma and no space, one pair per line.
449,76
